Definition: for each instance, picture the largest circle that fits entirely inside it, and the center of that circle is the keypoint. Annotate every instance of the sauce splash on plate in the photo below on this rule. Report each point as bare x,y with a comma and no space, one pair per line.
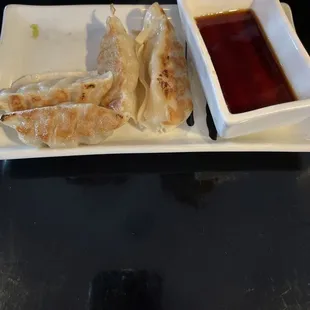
247,68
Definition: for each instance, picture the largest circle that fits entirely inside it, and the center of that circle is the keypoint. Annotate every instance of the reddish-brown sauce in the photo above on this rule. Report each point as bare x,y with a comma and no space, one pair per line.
248,71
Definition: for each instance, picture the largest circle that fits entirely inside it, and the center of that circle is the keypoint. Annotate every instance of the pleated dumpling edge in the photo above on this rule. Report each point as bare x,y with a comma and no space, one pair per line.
118,55
163,73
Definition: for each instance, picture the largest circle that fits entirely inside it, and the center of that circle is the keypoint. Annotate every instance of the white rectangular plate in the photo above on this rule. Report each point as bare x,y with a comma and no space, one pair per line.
69,40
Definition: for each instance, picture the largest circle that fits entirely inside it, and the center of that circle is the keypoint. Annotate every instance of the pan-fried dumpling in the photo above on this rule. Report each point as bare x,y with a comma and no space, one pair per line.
49,92
64,125
117,54
163,72
49,75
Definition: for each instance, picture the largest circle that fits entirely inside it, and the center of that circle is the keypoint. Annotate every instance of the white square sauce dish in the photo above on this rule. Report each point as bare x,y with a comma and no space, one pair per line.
290,56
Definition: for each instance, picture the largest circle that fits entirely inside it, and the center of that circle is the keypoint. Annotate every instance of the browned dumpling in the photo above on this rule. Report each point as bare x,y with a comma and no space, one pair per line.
163,73
117,54
64,125
50,92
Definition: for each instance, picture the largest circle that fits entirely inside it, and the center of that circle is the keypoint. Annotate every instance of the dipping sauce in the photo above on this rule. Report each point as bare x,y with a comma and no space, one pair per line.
247,68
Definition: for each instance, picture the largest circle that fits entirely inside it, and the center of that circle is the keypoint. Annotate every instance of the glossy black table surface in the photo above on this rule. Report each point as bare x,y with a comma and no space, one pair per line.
224,231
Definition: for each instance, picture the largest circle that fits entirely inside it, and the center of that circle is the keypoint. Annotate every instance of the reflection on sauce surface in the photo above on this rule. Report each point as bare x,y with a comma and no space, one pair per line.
247,69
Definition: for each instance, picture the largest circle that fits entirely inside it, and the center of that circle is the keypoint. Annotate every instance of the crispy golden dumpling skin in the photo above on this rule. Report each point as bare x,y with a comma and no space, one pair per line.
117,54
64,125
163,72
51,92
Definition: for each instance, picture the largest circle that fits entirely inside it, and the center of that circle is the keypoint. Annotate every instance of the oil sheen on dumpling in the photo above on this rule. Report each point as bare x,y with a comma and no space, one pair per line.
64,125
163,72
117,54
88,89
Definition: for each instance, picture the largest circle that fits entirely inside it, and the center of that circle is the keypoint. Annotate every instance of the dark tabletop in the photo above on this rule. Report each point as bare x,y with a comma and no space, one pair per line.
224,231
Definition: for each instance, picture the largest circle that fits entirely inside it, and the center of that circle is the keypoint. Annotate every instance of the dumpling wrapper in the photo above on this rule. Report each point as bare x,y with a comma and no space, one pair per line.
117,54
48,75
88,89
163,73
64,125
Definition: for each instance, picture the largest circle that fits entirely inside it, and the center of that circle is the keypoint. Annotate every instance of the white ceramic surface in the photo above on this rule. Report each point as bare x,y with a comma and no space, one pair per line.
68,41
290,52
